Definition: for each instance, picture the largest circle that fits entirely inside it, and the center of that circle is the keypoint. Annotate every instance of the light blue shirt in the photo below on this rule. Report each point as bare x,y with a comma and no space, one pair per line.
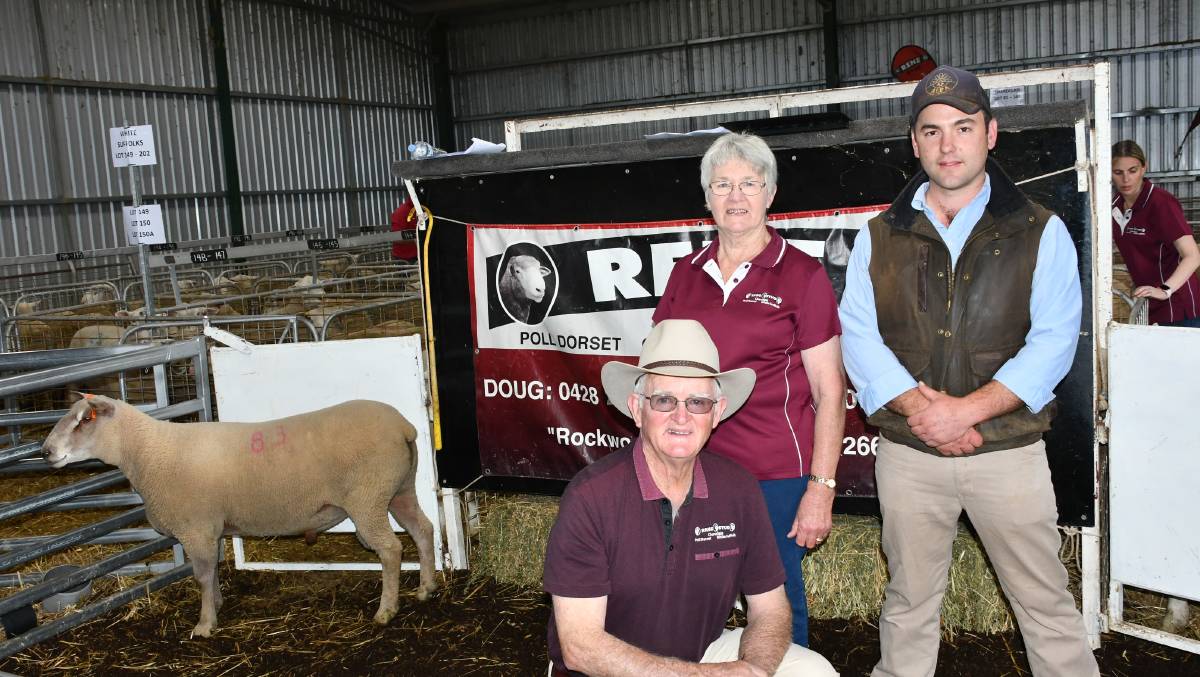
1055,309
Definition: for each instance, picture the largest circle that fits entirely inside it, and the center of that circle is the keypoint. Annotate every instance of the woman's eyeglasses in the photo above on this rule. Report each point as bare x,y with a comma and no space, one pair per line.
749,188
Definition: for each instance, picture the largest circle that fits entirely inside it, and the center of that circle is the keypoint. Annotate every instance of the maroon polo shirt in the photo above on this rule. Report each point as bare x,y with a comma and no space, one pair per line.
1147,244
781,303
670,586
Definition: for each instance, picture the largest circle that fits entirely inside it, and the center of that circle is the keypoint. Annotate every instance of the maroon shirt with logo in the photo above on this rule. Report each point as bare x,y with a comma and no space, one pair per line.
1147,244
781,303
670,586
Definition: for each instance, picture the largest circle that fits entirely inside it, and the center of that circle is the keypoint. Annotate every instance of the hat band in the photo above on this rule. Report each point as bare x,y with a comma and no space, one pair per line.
680,363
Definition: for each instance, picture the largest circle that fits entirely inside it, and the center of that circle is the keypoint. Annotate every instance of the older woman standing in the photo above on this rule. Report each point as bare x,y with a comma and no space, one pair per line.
1155,240
770,307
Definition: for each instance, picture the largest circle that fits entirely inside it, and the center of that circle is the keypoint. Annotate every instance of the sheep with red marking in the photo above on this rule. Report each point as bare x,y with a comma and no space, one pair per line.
304,473
522,284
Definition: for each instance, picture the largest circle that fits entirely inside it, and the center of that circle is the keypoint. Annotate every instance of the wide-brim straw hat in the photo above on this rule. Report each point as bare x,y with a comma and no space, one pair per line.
677,348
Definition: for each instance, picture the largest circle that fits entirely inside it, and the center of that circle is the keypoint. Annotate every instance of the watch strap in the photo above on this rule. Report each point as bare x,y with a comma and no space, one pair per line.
827,481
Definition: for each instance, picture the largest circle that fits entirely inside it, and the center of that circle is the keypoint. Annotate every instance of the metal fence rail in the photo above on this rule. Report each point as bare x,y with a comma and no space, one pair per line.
50,369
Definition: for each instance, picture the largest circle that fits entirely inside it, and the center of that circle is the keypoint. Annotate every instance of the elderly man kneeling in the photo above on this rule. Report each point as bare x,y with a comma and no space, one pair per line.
653,543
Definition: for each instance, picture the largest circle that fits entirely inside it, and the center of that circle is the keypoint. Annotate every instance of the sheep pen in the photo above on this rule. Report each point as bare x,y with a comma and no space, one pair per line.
480,623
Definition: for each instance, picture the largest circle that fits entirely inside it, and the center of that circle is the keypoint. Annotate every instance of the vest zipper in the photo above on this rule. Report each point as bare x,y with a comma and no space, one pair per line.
949,289
950,272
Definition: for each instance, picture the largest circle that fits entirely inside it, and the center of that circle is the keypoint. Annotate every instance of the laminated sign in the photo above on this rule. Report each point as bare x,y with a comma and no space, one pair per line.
132,146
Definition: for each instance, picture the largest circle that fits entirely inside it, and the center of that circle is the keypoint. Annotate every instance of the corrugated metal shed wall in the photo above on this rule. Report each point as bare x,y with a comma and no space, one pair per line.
626,55
659,51
324,99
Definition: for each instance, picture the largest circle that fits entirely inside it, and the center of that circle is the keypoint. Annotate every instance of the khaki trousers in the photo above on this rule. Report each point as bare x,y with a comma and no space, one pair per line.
1009,498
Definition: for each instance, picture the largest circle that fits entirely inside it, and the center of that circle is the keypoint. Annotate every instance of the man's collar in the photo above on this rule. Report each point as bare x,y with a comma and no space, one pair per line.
769,257
1006,198
650,490
919,202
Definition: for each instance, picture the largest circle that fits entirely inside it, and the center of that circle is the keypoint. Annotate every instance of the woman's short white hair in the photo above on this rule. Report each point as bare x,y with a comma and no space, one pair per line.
748,148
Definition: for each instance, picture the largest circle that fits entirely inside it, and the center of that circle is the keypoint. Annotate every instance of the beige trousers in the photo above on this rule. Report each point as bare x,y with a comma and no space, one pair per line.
1009,498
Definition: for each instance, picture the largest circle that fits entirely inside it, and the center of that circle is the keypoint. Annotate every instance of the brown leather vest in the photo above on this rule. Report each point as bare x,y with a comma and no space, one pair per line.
954,328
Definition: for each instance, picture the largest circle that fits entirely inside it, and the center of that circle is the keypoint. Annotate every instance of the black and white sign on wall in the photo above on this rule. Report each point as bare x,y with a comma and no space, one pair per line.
132,145
144,225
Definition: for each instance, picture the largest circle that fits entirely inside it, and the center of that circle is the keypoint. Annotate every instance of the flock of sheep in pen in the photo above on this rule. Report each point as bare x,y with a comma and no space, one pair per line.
354,294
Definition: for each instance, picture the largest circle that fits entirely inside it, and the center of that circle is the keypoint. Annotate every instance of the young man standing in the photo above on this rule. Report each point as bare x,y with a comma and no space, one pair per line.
960,316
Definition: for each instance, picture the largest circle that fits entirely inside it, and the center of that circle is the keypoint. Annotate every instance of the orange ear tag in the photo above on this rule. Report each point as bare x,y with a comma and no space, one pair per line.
91,411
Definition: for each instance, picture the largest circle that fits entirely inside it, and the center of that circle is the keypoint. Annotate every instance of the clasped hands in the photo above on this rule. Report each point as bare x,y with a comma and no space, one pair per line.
944,423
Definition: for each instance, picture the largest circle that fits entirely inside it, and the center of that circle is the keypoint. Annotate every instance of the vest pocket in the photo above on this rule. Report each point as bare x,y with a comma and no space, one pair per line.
985,363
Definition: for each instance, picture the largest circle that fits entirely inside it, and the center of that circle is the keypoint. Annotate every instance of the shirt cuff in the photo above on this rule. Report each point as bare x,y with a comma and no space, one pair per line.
885,388
1026,390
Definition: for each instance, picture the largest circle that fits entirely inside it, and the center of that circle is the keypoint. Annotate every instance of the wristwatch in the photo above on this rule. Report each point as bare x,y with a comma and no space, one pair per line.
827,481
1166,288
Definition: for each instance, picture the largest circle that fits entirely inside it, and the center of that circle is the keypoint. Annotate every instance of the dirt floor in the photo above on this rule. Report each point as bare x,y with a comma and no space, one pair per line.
319,624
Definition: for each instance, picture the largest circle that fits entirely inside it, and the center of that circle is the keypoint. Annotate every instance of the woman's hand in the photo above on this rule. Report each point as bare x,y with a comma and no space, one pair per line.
1152,292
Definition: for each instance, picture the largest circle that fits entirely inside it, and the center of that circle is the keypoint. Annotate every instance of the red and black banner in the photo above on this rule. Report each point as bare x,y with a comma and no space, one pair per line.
551,304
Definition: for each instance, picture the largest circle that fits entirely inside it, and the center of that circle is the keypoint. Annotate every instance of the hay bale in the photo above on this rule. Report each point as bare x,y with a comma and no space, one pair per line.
512,537
845,578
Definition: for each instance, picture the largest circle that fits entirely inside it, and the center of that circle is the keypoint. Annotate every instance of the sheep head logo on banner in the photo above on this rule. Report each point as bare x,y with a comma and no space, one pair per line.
527,282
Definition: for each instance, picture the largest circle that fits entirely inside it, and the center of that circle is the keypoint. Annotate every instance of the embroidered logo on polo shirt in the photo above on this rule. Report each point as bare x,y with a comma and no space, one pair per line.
1135,230
716,532
763,298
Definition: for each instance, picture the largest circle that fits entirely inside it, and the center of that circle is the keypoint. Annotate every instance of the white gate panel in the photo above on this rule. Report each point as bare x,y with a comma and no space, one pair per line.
273,381
1154,458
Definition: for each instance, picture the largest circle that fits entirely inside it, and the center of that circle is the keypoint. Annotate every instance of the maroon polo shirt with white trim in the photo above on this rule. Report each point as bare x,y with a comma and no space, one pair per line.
1147,243
670,585
772,307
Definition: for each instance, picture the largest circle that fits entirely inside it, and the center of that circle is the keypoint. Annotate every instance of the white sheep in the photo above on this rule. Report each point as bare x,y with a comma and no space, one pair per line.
293,475
308,285
522,284
1178,616
28,307
96,335
238,284
97,293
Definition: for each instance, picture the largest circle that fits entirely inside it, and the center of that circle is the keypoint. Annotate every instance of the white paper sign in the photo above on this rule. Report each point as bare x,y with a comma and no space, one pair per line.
144,225
1007,96
132,145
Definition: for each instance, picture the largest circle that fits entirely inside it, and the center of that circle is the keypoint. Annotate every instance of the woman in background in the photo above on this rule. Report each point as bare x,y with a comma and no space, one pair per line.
1155,241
